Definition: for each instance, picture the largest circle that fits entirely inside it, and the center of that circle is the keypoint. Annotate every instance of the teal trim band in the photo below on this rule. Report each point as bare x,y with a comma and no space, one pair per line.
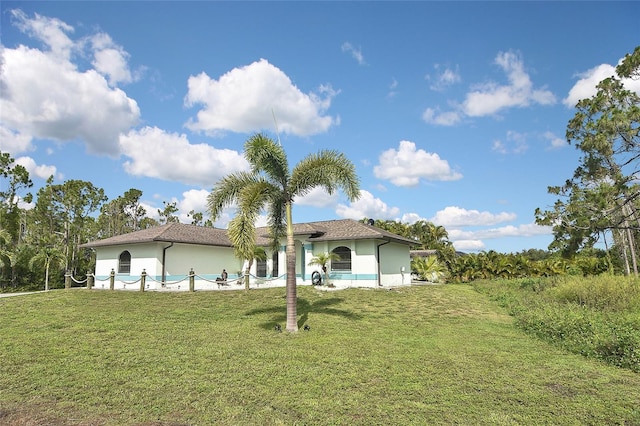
347,276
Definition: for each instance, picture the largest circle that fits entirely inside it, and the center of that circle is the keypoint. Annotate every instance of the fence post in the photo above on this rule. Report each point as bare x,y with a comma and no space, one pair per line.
192,281
143,279
89,281
67,280
112,279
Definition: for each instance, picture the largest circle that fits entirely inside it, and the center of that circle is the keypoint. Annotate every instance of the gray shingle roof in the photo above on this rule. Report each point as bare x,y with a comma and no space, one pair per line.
342,229
330,230
171,232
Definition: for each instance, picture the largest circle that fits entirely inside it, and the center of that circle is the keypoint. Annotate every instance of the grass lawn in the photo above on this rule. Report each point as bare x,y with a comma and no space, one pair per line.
420,355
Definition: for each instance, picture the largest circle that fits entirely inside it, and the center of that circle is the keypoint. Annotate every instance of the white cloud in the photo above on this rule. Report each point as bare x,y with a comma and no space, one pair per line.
468,245
367,206
515,143
457,217
555,142
51,31
14,142
489,98
245,100
411,218
45,96
42,171
526,230
318,197
392,88
444,79
110,59
193,199
447,118
356,53
169,156
585,87
472,240
407,165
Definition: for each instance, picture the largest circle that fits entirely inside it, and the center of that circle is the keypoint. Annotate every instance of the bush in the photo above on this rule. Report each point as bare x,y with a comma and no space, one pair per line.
597,317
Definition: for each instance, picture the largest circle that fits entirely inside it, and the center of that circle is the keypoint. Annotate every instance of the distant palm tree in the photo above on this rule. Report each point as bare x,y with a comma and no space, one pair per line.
47,256
323,260
271,184
258,254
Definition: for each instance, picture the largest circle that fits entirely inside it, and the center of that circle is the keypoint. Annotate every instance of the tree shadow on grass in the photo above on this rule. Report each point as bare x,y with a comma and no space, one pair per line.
324,306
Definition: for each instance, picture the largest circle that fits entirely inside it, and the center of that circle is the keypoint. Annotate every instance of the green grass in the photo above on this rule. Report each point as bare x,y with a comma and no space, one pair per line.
419,355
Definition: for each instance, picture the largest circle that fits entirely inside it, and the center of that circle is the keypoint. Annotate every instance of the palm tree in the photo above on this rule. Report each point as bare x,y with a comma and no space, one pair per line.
271,185
47,256
322,260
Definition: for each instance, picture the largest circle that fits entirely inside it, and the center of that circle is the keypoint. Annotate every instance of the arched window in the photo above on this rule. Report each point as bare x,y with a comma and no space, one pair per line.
124,263
344,264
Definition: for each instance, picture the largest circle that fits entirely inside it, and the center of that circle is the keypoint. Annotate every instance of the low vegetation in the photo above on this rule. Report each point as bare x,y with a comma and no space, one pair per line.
598,317
419,355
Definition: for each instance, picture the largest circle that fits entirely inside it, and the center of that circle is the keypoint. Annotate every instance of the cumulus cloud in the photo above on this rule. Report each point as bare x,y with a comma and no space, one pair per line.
13,141
110,59
407,165
318,197
468,245
193,199
457,217
585,87
42,171
46,96
245,99
356,53
367,206
170,156
490,98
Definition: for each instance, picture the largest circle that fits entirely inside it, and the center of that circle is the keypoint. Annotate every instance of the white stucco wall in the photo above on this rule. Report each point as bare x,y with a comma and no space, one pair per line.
208,261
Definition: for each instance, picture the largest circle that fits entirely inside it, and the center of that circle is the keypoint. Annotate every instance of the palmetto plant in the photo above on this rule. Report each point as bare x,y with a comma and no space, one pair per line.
323,260
271,185
428,268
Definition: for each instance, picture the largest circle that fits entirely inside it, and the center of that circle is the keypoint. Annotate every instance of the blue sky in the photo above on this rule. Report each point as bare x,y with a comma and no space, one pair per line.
452,112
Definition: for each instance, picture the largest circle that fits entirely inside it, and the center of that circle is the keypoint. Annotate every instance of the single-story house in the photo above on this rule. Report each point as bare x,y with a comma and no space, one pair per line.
369,257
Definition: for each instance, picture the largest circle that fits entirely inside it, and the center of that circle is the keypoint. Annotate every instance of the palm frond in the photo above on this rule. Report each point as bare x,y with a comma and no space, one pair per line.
266,156
227,191
328,169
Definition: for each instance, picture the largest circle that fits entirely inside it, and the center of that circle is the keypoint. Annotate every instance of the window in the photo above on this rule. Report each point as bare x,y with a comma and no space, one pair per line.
261,268
124,263
344,264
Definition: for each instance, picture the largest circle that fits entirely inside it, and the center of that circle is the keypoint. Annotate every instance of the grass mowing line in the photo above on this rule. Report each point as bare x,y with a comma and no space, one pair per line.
420,355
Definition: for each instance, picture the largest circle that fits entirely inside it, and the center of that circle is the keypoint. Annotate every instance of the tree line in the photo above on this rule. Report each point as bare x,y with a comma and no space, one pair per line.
45,231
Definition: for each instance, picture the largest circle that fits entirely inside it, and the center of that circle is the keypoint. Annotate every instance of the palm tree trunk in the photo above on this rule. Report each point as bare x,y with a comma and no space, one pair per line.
292,298
46,276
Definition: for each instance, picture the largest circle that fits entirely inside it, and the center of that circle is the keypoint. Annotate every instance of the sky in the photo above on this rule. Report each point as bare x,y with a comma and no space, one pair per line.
451,112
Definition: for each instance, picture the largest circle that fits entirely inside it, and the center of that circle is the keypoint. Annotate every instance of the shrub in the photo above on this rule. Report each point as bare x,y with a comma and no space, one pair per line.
597,317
